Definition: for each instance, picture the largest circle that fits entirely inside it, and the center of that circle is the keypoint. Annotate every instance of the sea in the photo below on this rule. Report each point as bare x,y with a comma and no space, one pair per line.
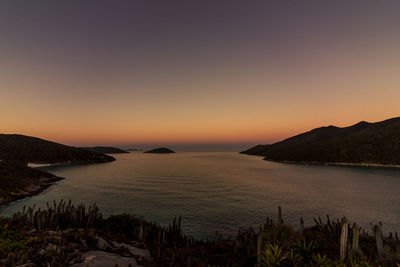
219,192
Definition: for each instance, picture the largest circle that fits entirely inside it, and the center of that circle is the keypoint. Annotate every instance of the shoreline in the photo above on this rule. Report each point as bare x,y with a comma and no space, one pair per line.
42,179
30,191
339,164
43,182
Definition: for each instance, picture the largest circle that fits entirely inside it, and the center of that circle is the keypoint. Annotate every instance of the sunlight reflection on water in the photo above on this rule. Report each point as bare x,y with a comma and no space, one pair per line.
221,191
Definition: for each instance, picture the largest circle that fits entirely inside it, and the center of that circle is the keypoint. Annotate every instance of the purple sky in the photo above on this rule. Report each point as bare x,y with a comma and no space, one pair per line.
96,72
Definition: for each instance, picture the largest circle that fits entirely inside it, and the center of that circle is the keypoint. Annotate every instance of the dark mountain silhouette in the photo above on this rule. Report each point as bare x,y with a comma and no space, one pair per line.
19,181
24,149
362,143
161,150
105,150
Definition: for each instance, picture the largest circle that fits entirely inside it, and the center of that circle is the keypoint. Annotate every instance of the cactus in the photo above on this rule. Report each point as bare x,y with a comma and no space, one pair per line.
301,230
260,243
343,239
355,247
379,241
141,232
61,215
280,221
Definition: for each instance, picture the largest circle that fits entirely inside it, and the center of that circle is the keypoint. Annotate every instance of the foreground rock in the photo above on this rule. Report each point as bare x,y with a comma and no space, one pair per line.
119,253
366,144
142,254
161,150
97,258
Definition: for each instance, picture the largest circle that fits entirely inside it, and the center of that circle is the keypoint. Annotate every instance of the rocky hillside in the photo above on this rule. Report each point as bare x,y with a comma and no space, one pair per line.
19,181
16,151
370,143
105,150
24,149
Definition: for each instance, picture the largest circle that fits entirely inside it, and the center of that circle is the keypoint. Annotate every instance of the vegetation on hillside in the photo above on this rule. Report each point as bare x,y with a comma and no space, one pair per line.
24,149
16,151
371,143
106,150
19,181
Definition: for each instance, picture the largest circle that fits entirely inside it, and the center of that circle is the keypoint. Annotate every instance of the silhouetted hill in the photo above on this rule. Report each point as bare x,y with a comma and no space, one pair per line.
19,181
370,143
105,150
161,150
24,149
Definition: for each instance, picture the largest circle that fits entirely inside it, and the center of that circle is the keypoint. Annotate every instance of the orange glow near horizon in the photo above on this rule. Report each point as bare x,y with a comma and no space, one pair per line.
250,78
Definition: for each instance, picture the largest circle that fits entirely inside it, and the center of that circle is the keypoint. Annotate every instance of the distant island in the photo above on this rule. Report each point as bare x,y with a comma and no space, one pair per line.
364,144
161,150
105,150
17,151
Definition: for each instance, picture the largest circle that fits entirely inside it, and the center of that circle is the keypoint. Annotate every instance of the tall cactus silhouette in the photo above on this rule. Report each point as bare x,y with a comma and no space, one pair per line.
343,239
301,230
355,247
280,221
379,241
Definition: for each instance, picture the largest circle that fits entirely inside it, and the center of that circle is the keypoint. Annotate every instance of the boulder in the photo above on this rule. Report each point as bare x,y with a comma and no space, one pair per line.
102,244
136,252
96,258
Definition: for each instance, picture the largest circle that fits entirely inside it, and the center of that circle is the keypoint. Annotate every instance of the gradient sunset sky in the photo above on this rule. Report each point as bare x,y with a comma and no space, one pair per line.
132,72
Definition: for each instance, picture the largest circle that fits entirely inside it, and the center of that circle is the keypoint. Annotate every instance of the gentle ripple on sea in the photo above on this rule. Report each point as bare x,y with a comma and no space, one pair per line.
221,191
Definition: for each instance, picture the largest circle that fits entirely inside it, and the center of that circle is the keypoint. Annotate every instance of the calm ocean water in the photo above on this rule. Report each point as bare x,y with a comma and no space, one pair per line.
221,191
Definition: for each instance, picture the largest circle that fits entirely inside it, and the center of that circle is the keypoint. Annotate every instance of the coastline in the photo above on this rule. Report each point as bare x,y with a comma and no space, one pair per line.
35,180
20,181
339,164
31,179
29,190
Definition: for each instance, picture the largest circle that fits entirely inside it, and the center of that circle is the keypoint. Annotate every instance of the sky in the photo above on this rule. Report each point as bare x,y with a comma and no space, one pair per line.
210,71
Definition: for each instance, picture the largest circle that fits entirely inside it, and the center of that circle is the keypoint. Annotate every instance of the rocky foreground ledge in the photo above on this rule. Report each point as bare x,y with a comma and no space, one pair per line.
67,235
79,248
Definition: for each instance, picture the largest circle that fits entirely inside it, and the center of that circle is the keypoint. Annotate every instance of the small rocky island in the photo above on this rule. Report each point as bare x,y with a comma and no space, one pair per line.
106,150
161,150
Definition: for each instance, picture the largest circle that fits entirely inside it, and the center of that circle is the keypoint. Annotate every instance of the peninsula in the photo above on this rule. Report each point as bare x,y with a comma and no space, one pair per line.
19,181
106,150
26,149
17,151
363,144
